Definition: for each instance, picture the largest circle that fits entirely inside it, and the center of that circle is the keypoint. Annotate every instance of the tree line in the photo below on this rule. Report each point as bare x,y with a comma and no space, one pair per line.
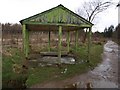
11,28
110,32
116,34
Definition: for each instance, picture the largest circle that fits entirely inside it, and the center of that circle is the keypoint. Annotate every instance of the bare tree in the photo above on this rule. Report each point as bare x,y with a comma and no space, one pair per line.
92,8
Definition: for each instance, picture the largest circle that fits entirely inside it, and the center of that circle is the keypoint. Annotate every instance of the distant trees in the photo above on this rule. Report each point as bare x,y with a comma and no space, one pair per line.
11,28
117,31
105,32
108,32
11,34
97,36
116,34
113,33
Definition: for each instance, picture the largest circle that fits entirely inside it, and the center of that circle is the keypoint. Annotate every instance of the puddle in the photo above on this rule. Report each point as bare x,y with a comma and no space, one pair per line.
103,71
110,47
68,60
107,49
50,60
54,60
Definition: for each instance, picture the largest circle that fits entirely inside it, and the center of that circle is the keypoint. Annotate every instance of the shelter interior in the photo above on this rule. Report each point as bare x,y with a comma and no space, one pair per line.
58,19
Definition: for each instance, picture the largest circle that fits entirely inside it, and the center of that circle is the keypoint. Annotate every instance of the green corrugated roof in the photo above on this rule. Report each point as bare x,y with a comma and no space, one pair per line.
57,15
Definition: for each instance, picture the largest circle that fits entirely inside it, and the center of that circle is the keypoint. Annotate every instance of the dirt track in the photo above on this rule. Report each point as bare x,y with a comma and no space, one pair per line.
105,75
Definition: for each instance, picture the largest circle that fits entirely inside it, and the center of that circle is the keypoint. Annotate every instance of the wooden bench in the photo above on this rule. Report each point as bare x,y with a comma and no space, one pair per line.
53,53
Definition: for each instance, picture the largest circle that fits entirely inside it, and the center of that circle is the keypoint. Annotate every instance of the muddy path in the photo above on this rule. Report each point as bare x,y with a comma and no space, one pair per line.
105,75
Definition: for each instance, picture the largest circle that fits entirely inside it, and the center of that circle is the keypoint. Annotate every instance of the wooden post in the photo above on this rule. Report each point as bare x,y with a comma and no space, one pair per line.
68,41
25,40
27,43
89,43
76,39
49,42
59,45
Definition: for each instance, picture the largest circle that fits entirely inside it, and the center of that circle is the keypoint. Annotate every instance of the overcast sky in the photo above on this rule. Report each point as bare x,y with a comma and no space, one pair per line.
15,10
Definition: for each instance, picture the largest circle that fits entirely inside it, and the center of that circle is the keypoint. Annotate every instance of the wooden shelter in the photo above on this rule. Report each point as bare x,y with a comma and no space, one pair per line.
58,18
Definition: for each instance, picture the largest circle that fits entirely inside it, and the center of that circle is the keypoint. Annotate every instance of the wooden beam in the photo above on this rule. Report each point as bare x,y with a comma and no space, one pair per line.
59,44
49,41
76,39
59,24
89,43
68,41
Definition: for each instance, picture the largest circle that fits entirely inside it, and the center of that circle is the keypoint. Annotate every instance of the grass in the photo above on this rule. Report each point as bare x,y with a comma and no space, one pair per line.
8,60
43,74
10,57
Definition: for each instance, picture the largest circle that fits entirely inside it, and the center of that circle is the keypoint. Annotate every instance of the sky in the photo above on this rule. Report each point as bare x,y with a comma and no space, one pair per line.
13,11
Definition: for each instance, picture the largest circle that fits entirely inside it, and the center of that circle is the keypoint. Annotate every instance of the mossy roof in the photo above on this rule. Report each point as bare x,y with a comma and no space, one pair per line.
58,15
